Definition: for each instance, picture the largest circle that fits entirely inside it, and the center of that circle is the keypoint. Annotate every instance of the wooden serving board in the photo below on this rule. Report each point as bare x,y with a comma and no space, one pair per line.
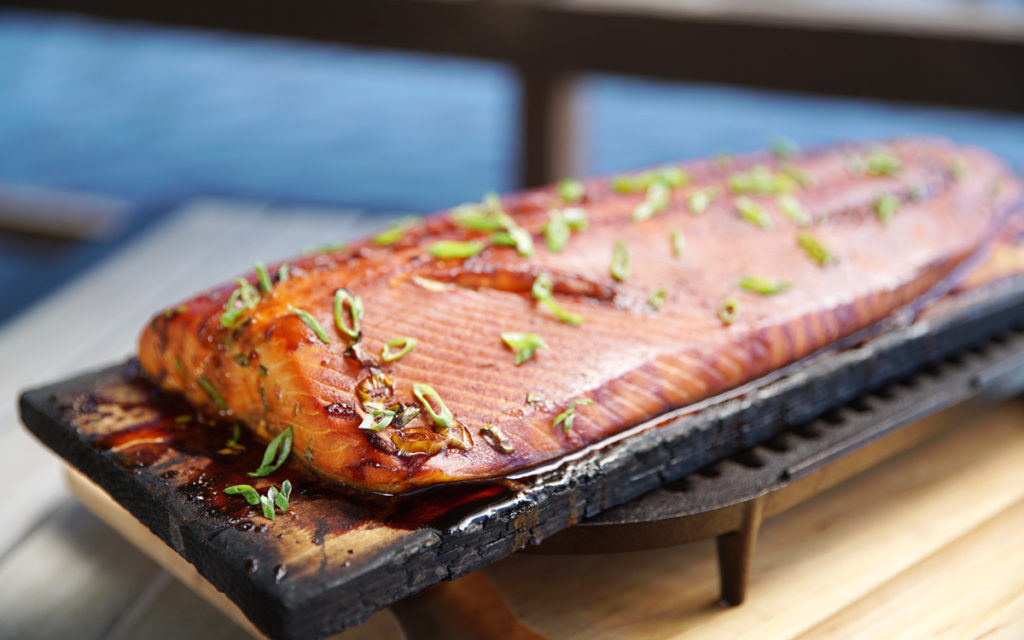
336,558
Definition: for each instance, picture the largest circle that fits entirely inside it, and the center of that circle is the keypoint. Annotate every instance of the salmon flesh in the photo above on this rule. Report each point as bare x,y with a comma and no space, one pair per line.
492,337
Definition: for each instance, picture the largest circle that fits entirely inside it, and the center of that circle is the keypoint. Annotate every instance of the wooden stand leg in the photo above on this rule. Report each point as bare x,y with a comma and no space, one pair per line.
736,553
546,126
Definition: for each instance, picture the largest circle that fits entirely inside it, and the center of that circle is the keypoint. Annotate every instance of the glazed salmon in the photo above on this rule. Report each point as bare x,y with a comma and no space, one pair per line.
496,336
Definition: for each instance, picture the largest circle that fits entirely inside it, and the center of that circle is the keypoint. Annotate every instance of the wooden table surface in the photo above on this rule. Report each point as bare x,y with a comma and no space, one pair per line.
926,545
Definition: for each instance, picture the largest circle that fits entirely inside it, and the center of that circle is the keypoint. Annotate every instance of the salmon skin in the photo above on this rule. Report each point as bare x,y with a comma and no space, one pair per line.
497,336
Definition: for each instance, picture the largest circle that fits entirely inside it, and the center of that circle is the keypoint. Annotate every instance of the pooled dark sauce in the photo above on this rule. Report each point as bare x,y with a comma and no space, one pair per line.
190,455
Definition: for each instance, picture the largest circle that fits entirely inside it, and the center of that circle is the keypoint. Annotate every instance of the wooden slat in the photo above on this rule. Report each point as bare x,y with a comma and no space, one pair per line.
70,579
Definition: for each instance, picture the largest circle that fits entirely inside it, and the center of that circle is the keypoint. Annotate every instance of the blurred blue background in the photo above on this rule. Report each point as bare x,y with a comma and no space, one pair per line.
152,115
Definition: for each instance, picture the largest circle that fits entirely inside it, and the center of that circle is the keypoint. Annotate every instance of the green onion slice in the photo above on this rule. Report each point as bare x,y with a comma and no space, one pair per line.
886,206
312,323
261,273
699,200
344,297
678,242
763,286
620,268
377,419
524,344
729,310
396,231
657,298
570,190
246,491
406,343
753,213
426,394
455,248
792,209
218,399
556,232
275,454
817,251
543,291
567,417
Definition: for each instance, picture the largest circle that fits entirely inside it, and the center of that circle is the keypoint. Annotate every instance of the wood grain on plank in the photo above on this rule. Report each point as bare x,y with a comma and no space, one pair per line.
812,562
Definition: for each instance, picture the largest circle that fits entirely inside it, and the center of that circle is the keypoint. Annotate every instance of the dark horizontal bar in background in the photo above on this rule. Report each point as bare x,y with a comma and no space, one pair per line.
968,67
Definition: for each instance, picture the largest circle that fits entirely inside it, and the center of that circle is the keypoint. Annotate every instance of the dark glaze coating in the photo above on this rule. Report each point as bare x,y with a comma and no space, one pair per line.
632,361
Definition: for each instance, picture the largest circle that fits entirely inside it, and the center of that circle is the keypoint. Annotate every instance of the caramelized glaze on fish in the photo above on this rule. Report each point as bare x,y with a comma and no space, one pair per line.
620,299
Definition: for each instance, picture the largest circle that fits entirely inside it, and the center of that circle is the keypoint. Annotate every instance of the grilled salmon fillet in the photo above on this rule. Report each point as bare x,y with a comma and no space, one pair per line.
492,337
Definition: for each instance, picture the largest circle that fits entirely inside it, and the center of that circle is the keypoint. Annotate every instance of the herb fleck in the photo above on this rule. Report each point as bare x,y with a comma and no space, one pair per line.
524,344
566,417
817,251
275,454
312,323
620,268
406,343
763,286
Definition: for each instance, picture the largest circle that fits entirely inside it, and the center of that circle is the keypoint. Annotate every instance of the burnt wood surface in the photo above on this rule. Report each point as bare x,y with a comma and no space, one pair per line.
336,558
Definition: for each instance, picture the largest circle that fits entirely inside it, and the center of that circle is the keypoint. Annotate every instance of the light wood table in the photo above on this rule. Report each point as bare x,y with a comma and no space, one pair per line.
925,545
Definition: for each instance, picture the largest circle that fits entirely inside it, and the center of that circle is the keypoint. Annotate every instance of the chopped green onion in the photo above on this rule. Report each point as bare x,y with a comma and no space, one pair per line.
886,205
764,286
620,268
275,454
455,249
283,273
442,416
729,310
284,496
700,200
246,491
556,232
669,175
261,273
784,148
242,299
218,399
377,419
792,209
566,417
543,291
522,239
576,218
958,167
815,249
678,242
534,398
267,502
355,312
801,177
753,213
570,190
407,344
183,419
524,344
236,435
657,299
312,323
396,231
881,162
655,201
476,220
761,180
